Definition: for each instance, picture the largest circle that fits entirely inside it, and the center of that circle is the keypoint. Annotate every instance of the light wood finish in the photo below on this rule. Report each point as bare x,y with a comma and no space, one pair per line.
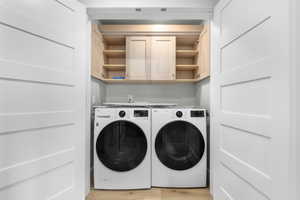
163,58
112,73
152,194
114,56
114,53
151,28
114,40
186,74
186,53
97,55
186,59
181,79
114,66
138,57
186,40
151,59
186,67
204,53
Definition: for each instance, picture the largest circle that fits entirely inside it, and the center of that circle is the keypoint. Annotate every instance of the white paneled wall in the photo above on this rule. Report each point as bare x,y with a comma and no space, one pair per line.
250,110
298,97
42,106
295,140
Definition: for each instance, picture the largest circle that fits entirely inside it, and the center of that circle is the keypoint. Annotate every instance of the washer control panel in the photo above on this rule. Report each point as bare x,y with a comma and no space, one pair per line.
141,113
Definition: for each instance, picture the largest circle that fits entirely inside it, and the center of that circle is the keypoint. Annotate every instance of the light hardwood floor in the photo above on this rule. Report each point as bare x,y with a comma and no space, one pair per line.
153,194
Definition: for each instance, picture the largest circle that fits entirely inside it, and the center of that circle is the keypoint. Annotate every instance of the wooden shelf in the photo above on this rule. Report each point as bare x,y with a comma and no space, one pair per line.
186,53
186,67
119,40
114,53
150,81
187,40
114,66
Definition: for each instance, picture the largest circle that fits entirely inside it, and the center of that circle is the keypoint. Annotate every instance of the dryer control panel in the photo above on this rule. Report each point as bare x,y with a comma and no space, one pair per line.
197,113
141,113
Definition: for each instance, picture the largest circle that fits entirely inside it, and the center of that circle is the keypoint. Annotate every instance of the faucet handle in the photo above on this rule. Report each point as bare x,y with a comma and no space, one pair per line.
130,99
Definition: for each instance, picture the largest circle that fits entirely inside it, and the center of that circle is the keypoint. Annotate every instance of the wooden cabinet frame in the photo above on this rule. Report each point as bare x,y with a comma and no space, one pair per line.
110,55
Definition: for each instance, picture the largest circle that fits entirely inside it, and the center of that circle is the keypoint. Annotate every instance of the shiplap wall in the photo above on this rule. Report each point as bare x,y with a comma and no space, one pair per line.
42,100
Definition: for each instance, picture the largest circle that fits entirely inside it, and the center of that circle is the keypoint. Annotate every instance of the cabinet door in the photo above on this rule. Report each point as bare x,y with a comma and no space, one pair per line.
204,54
138,57
163,58
97,53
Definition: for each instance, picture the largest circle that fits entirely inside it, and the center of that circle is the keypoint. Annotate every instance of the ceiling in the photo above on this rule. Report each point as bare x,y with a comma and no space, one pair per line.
157,10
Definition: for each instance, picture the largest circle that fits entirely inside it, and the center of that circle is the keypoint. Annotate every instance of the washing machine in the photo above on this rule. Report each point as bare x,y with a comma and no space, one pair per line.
179,147
122,148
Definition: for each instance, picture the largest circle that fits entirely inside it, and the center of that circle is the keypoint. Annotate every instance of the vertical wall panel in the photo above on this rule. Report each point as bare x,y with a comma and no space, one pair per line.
42,105
250,80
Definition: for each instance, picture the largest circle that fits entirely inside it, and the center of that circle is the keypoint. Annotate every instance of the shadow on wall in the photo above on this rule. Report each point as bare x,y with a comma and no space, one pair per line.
203,100
203,94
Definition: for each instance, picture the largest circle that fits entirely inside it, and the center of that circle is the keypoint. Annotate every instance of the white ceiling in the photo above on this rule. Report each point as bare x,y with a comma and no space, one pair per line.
125,9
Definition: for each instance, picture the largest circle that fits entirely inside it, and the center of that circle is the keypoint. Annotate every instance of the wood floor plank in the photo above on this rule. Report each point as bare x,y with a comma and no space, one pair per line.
153,194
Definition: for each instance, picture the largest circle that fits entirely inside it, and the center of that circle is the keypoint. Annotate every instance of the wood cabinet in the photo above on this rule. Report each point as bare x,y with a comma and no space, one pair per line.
150,58
163,58
193,56
204,54
97,56
138,58
182,55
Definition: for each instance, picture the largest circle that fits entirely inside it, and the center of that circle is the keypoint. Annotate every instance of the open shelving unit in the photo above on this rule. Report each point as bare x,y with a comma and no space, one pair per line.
186,53
187,57
114,56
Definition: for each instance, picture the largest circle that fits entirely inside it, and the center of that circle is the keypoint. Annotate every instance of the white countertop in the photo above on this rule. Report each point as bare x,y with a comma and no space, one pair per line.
139,104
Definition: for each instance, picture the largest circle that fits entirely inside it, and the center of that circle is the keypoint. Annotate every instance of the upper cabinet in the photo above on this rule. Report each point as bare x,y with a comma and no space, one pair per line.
97,53
138,58
150,58
151,53
163,58
204,53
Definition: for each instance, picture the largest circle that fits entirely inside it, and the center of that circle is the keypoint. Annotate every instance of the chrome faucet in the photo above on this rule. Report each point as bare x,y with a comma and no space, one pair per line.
130,99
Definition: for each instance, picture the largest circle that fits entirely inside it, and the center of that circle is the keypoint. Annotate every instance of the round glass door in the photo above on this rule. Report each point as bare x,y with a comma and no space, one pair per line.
179,145
121,146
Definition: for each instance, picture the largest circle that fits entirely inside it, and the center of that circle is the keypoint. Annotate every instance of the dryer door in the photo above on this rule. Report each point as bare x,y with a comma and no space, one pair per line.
179,145
121,146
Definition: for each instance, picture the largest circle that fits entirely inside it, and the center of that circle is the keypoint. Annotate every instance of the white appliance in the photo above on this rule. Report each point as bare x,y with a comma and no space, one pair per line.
122,148
179,147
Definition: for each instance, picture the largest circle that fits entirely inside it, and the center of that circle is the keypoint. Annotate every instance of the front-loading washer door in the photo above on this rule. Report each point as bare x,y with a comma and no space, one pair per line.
121,146
179,145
